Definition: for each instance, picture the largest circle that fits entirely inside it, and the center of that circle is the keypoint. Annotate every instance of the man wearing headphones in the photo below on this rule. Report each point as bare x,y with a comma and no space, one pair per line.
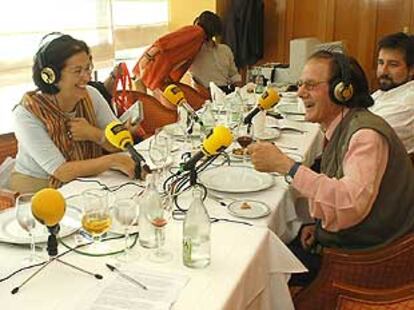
394,101
355,200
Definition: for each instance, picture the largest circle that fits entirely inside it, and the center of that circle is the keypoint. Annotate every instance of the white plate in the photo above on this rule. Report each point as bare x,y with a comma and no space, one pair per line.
10,230
257,209
166,164
237,157
176,131
268,134
290,108
295,156
235,179
117,228
295,117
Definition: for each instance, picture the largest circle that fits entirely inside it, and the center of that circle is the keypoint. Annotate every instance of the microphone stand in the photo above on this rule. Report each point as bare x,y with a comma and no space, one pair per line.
52,250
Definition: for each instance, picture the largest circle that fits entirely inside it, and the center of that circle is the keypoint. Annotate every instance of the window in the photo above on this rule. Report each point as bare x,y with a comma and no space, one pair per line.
108,26
137,23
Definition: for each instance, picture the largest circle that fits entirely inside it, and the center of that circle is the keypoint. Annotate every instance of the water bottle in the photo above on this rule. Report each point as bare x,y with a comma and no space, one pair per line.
150,198
208,117
234,109
196,233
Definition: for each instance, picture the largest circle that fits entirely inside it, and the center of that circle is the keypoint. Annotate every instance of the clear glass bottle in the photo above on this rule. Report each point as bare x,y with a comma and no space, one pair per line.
196,233
208,117
234,109
147,237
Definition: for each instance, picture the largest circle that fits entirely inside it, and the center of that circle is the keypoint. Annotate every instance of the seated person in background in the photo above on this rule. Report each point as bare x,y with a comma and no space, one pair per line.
60,126
169,58
106,87
356,199
215,61
394,101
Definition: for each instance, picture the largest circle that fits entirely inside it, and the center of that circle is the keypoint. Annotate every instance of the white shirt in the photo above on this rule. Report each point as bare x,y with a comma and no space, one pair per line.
38,156
396,106
215,63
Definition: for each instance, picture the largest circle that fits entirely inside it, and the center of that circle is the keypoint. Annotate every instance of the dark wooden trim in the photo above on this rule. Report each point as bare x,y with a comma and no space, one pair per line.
8,146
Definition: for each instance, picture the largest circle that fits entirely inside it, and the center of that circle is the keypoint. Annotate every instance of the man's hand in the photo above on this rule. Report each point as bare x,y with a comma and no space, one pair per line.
266,157
307,236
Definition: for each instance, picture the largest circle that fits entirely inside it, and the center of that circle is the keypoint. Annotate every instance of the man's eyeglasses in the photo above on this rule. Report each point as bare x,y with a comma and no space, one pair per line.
309,85
79,71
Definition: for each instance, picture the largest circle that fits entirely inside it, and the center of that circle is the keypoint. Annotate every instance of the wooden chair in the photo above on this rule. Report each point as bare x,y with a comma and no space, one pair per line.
412,158
203,91
354,298
388,267
8,147
194,98
155,114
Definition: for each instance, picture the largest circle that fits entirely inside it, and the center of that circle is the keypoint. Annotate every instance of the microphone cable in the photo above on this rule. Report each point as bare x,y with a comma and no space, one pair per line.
69,250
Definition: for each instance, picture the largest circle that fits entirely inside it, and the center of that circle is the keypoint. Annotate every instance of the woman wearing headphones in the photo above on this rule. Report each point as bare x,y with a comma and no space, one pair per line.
60,126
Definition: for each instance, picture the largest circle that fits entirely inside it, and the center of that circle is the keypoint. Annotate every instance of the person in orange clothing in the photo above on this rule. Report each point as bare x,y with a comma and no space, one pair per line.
169,57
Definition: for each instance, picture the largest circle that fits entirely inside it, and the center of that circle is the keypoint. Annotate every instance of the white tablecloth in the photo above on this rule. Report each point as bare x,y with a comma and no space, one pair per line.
249,269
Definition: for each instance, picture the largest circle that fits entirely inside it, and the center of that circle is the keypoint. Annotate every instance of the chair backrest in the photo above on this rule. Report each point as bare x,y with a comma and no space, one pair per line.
203,91
387,267
194,98
155,114
351,298
8,146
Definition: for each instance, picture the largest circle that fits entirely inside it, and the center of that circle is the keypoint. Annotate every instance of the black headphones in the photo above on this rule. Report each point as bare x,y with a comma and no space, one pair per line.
340,87
48,73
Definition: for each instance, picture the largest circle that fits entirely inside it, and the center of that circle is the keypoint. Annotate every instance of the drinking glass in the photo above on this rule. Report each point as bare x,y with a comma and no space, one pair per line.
186,125
125,213
159,215
27,221
159,150
96,218
244,134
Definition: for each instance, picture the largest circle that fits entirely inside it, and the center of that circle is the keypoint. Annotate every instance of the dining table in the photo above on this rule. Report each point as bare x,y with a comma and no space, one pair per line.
250,263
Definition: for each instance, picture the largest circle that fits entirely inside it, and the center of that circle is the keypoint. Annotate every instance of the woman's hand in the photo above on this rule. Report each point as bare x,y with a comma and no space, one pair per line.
81,130
123,163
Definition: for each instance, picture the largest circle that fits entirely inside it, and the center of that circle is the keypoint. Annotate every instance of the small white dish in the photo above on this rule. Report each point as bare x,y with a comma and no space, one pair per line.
237,157
250,209
295,156
289,108
176,131
268,134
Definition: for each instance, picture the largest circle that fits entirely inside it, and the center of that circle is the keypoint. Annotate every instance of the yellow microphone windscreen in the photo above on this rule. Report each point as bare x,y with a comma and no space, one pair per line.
174,94
48,206
219,139
118,135
269,99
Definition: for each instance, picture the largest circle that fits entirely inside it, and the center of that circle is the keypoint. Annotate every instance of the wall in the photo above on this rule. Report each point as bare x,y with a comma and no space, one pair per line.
359,23
183,12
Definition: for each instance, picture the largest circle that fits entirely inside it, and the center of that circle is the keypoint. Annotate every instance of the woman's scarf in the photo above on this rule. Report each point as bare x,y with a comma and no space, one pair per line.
56,123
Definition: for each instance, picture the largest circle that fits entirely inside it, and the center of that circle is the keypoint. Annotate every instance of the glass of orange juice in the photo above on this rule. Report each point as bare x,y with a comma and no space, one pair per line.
96,217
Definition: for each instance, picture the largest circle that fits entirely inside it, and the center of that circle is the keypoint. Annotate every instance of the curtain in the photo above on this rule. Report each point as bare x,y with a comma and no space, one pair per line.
138,23
20,34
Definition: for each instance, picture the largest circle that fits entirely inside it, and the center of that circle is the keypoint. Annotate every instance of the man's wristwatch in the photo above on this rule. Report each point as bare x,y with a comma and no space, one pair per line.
291,174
